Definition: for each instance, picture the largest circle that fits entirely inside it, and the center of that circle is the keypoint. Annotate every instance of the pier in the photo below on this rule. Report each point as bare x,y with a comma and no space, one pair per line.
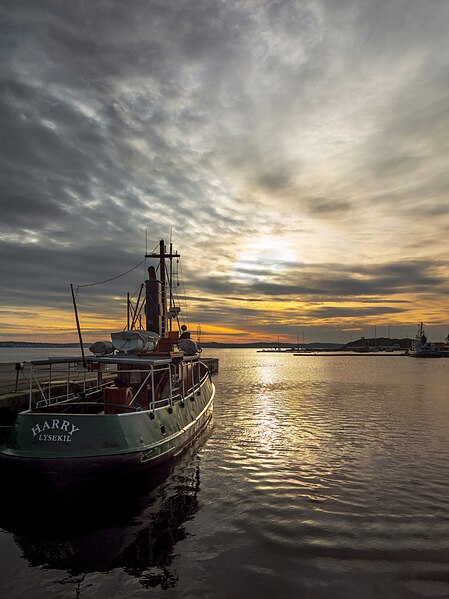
339,354
212,364
363,354
353,354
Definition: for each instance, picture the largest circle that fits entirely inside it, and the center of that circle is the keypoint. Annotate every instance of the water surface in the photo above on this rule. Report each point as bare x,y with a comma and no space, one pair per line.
320,477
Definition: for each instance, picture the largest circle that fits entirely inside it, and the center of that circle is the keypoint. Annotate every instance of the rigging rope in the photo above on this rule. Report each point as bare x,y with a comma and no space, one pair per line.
111,279
114,278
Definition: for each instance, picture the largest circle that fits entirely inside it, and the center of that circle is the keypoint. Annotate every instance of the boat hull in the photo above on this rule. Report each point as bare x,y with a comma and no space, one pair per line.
92,447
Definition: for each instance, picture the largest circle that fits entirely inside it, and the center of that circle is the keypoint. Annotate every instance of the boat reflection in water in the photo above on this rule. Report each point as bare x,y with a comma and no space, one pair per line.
134,526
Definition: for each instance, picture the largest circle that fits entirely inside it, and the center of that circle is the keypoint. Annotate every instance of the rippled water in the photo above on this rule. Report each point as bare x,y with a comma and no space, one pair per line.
320,477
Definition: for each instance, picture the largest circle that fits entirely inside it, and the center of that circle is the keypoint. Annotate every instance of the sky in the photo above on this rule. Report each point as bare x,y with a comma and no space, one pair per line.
294,151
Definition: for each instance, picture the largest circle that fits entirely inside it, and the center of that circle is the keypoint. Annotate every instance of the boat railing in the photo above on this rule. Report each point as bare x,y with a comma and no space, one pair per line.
64,380
70,397
160,385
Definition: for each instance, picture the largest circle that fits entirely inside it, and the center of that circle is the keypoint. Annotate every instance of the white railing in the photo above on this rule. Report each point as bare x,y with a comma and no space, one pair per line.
159,385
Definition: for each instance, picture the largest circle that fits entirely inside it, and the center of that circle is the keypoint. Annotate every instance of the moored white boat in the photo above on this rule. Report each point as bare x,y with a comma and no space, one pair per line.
421,348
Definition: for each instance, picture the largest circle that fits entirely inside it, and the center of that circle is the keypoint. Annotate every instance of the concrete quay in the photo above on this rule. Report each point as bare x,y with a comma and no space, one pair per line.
212,364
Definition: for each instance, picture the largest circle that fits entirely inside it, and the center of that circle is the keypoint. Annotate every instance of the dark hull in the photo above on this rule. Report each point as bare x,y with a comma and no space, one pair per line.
69,471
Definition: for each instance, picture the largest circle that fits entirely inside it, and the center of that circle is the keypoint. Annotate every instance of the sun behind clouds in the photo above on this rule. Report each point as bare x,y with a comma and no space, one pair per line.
262,258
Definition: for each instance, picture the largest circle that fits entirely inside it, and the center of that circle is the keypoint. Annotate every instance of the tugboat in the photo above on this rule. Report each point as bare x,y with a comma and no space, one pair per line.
137,402
421,348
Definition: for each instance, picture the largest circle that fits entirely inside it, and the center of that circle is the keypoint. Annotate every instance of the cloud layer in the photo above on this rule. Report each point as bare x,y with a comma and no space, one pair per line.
295,150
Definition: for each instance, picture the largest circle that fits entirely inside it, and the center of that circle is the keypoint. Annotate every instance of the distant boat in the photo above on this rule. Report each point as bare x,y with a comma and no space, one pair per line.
137,402
421,348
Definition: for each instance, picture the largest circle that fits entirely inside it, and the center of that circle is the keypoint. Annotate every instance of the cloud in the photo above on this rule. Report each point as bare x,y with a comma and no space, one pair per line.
336,311
318,124
334,280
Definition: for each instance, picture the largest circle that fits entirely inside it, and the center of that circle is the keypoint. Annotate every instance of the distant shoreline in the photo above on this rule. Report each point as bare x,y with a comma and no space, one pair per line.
205,345
358,345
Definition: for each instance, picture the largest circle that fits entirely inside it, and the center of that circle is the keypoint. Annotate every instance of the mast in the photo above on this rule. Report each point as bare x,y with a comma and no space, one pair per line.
78,326
127,311
170,286
163,289
165,286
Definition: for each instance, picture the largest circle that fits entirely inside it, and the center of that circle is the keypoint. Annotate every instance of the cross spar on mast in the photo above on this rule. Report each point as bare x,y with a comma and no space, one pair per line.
162,256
